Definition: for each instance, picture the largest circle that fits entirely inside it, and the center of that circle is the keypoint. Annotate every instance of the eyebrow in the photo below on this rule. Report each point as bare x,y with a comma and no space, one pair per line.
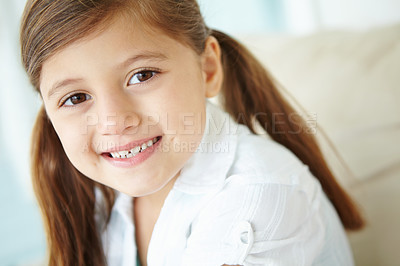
143,56
56,87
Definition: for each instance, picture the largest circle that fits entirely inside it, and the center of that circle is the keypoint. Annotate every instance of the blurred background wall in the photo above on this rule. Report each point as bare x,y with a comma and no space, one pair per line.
22,241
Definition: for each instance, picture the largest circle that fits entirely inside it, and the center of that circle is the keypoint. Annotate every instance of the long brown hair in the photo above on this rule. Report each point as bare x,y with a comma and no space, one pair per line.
67,197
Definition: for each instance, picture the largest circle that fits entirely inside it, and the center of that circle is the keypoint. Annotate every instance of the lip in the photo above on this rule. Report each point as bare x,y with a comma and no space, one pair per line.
133,161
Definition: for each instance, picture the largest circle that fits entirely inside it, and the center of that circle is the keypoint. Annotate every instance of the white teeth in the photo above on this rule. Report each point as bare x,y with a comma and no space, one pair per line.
123,153
144,146
133,152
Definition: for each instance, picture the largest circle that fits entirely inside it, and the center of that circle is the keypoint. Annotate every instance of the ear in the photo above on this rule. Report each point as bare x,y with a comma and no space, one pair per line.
212,67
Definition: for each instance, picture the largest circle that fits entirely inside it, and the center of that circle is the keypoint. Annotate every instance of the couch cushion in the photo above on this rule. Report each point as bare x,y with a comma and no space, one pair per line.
351,81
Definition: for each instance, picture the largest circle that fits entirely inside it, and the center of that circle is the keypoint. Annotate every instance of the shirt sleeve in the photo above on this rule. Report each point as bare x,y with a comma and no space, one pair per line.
259,223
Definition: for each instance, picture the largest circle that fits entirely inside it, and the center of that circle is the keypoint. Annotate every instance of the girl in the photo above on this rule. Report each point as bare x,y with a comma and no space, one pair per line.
131,164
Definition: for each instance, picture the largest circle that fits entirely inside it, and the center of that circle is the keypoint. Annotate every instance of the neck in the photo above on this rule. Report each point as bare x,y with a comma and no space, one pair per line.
146,212
156,200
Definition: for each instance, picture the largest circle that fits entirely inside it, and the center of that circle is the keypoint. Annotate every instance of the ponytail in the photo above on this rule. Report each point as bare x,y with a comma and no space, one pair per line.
249,91
67,200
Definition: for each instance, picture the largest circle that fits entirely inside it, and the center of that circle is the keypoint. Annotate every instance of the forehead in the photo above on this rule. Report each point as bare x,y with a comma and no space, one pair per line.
120,39
121,32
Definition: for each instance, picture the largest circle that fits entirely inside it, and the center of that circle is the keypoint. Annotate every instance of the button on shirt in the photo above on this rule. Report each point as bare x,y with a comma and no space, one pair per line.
241,199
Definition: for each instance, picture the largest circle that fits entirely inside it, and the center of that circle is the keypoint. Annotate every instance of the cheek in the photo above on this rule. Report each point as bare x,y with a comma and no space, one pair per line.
184,129
186,109
74,140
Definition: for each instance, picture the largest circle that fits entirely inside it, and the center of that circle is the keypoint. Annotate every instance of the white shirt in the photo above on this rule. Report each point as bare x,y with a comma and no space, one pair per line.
241,199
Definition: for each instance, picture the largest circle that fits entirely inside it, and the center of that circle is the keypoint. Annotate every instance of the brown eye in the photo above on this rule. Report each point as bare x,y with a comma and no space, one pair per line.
141,77
77,99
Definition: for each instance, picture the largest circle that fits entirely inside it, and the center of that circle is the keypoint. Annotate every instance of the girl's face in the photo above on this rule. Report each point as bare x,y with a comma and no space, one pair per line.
129,105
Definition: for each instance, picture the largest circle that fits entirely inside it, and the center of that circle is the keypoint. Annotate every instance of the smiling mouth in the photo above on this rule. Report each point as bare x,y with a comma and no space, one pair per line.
134,151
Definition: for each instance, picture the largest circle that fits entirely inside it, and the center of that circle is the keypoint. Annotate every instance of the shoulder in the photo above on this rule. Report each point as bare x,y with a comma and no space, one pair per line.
272,198
269,209
270,178
256,219
269,206
259,159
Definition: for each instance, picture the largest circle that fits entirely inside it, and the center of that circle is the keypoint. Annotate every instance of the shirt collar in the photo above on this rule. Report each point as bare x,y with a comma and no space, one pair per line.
207,168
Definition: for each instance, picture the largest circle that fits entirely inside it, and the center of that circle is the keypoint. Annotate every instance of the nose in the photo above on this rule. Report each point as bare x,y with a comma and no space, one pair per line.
116,114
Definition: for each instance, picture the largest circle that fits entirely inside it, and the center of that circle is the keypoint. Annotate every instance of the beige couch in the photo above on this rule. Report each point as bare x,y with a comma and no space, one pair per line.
351,81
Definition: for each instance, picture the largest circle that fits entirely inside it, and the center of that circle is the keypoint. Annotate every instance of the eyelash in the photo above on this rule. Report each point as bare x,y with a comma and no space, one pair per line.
153,71
69,98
